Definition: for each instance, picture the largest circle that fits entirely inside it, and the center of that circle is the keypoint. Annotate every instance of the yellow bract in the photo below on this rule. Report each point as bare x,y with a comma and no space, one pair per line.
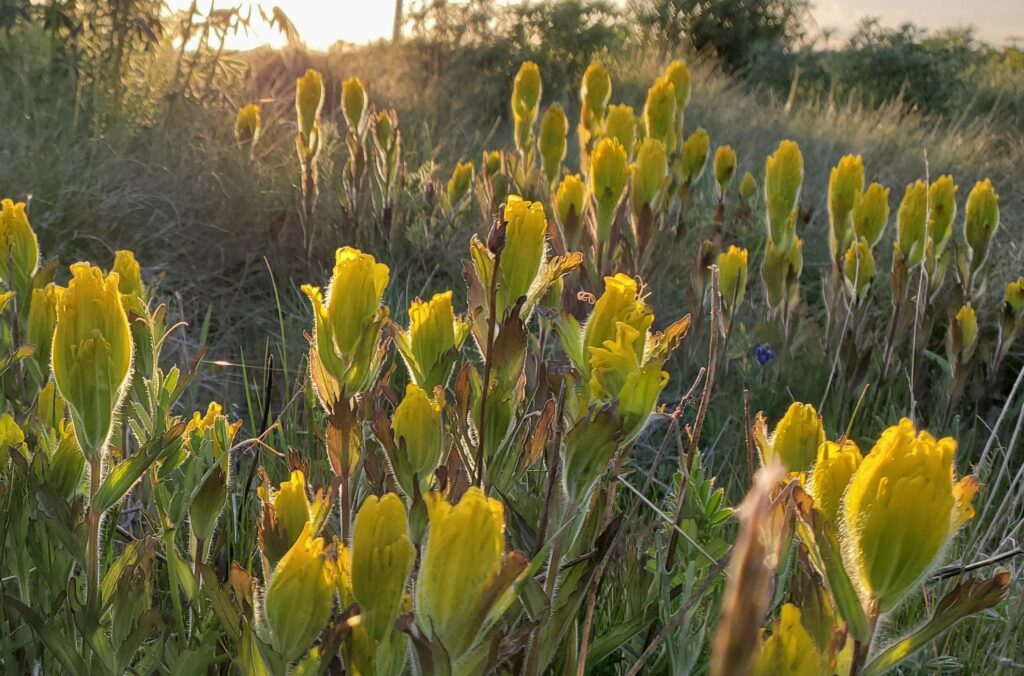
247,124
833,469
430,345
748,186
795,440
649,173
42,317
92,353
569,198
679,75
695,156
596,88
619,304
911,222
620,124
900,509
789,649
859,267
526,91
608,174
732,276
460,183
660,112
417,429
725,166
309,100
941,211
871,213
966,334
783,177
846,182
1014,296
982,220
353,102
18,245
553,128
525,249
382,557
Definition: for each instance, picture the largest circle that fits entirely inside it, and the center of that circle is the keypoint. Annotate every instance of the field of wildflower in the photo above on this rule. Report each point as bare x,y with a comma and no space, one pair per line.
523,468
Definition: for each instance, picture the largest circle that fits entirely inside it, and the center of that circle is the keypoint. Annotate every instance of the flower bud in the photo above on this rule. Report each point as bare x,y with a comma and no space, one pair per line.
1014,297
18,246
353,102
569,200
724,166
596,88
836,463
247,125
748,186
523,255
871,213
859,267
982,220
846,182
42,317
209,438
911,223
553,128
679,75
660,112
309,101
789,649
347,326
608,174
385,123
649,173
783,176
431,344
417,429
941,211
732,277
899,511
128,274
92,353
300,595
795,440
491,162
382,558
695,156
466,543
964,333
621,126
460,183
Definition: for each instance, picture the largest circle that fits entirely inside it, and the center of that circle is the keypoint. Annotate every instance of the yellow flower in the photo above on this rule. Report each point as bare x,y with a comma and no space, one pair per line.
982,220
619,304
649,173
859,266
569,199
846,182
417,428
608,174
128,274
660,112
353,102
941,211
732,277
92,353
18,245
596,88
11,436
247,124
291,511
789,649
965,332
783,177
430,346
900,509
525,248
491,162
871,213
695,156
42,317
526,91
466,543
724,166
382,558
309,100
620,124
619,373
748,186
781,271
553,128
1014,296
347,327
679,75
51,406
836,463
911,222
796,438
300,595
460,183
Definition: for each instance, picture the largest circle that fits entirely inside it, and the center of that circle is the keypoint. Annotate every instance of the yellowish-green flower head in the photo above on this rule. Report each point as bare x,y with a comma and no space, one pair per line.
526,231
291,505
569,198
347,325
491,162
966,332
982,220
911,222
300,595
51,406
789,649
18,244
859,266
596,88
748,186
465,544
695,156
42,317
382,558
845,181
384,124
871,213
660,112
431,344
11,436
417,429
609,170
732,276
526,90
553,128
679,75
128,274
941,211
92,353
796,438
353,102
836,463
460,182
900,509
620,124
247,124
1014,296
619,373
783,177
620,303
649,172
724,166
309,101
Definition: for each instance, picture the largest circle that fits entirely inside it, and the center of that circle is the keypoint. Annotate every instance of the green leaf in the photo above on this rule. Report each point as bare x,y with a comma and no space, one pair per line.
121,478
57,644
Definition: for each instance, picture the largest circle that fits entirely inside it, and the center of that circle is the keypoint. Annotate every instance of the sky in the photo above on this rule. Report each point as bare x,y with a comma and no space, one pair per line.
323,22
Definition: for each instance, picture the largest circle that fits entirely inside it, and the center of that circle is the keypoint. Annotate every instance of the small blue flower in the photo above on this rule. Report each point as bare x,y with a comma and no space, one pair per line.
764,353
